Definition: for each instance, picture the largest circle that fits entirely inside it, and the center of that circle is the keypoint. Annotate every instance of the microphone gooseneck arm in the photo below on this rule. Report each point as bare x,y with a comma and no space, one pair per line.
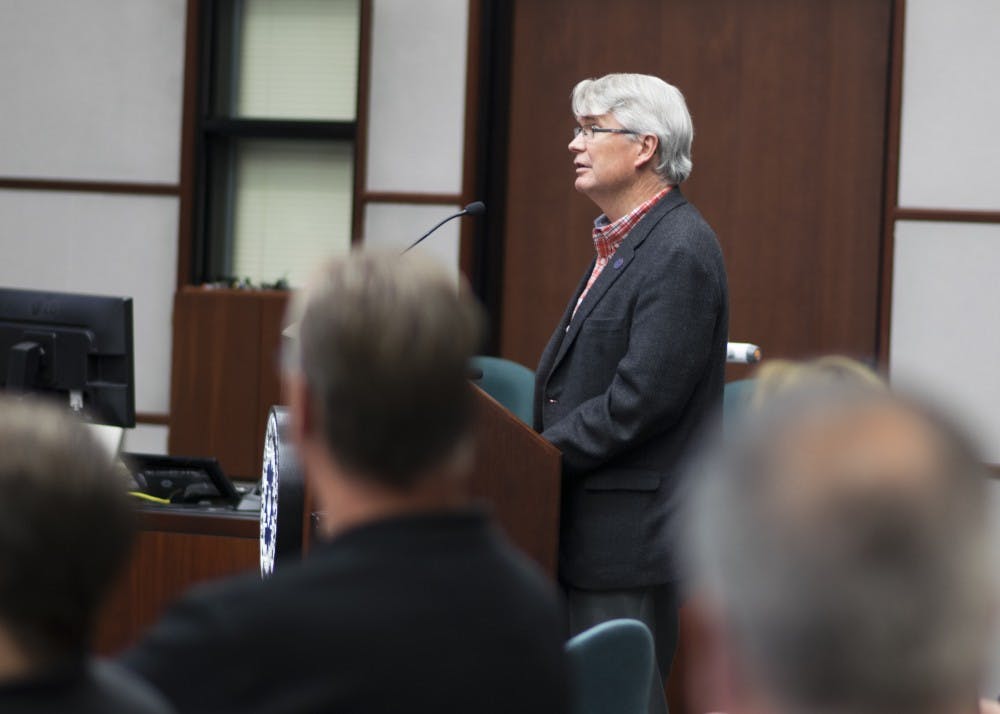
476,208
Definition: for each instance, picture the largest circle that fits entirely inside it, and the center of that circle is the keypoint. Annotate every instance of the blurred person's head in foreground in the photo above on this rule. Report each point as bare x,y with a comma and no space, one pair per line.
776,376
377,385
65,531
838,548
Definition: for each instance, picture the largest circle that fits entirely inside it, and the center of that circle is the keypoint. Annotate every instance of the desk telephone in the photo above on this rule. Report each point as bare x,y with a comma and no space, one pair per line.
181,480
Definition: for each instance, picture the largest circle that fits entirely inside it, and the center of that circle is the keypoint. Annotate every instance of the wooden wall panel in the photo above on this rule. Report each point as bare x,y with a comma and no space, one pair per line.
789,107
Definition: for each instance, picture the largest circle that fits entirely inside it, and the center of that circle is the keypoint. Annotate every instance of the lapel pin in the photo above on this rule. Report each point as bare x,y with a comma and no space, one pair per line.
619,262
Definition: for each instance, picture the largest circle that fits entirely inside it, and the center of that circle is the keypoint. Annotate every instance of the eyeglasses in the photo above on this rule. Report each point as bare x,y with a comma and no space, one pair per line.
589,131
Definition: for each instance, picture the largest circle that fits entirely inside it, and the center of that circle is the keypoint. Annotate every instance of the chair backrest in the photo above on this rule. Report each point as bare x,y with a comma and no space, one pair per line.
510,383
611,668
736,397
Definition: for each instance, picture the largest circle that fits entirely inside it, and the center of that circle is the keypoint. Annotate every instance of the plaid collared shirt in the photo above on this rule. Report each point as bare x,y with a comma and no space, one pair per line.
608,236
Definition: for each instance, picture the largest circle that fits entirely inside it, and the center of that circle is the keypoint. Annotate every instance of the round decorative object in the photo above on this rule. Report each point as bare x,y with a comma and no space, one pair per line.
280,518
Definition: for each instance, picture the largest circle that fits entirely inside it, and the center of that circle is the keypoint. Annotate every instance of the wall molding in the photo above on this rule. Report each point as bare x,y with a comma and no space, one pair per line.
412,198
470,142
946,215
189,121
77,186
891,183
361,120
159,418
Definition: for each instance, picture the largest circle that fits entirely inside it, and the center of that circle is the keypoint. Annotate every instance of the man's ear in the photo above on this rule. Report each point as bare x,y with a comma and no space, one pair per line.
648,144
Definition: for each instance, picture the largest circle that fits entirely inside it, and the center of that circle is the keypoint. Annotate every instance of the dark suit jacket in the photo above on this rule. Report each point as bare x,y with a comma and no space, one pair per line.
624,388
84,687
421,613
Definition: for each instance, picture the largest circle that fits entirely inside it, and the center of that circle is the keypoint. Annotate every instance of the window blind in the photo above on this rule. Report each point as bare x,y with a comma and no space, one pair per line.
292,207
298,59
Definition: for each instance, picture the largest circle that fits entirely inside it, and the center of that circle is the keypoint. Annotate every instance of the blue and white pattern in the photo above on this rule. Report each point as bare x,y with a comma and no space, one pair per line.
269,498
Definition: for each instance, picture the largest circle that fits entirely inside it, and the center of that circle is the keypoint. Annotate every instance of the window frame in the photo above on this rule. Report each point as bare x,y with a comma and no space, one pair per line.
217,133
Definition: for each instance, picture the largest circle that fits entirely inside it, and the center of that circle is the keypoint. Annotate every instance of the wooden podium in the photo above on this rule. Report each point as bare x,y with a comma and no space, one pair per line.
517,473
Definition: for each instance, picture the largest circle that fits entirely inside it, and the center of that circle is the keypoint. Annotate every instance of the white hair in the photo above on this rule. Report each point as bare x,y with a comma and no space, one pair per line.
646,105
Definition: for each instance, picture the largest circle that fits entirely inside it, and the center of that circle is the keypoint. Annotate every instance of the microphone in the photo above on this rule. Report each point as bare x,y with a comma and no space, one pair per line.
476,208
742,353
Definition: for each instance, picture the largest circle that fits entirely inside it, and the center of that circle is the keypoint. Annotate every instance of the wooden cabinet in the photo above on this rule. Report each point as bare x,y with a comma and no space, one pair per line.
173,551
225,374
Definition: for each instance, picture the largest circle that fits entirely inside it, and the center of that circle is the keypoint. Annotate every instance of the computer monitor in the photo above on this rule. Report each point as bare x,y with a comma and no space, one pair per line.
73,347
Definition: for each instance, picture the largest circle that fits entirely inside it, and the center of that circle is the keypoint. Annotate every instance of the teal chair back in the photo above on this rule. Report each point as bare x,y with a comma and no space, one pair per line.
510,383
736,397
611,668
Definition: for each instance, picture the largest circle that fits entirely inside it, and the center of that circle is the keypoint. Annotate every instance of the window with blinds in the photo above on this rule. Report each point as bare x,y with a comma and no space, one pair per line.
292,207
278,138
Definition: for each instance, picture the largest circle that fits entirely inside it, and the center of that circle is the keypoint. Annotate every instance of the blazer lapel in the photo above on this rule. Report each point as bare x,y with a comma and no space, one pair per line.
547,359
559,334
617,266
597,290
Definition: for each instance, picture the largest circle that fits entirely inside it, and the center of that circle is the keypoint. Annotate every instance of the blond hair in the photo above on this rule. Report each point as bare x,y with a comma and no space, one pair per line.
778,376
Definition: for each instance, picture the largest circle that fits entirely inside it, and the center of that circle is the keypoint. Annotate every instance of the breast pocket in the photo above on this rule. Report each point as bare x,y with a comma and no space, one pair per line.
604,341
603,324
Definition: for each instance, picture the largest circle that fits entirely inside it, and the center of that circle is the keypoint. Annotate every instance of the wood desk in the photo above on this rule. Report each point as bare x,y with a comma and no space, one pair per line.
174,549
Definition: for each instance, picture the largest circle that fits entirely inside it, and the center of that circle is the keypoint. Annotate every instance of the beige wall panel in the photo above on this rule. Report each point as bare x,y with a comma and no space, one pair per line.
103,244
946,321
91,89
417,97
950,147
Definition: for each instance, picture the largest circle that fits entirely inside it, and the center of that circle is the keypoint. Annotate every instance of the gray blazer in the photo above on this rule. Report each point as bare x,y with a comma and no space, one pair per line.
625,387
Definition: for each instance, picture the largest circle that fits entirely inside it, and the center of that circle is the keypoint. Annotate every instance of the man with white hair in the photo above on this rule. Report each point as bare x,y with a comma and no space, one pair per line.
636,364
839,554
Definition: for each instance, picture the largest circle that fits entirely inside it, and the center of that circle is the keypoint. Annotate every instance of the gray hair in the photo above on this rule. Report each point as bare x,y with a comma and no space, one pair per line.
384,343
849,582
647,105
66,527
